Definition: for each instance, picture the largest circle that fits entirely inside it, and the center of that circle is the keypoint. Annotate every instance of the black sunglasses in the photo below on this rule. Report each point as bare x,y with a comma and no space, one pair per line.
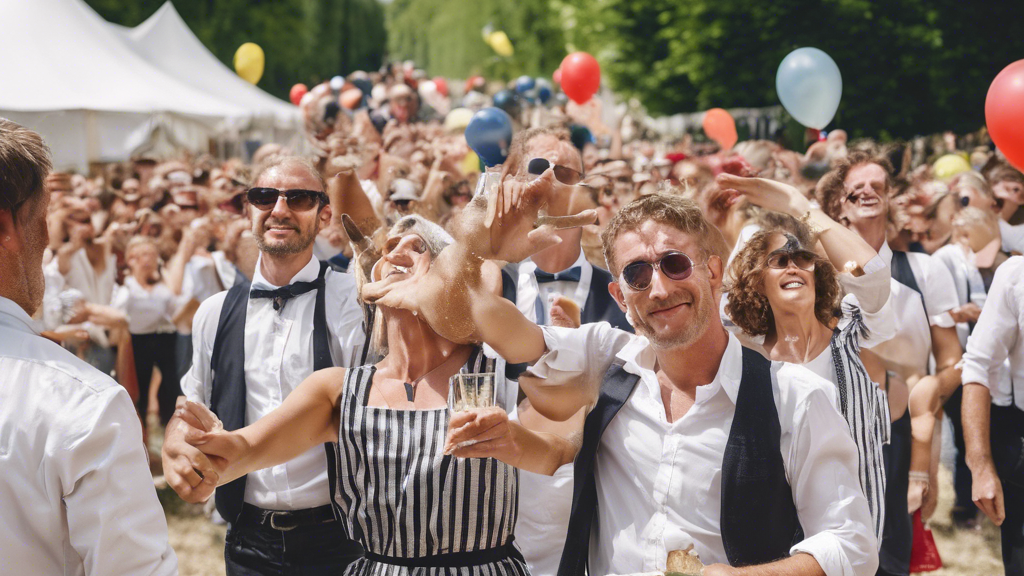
563,174
298,200
803,259
675,265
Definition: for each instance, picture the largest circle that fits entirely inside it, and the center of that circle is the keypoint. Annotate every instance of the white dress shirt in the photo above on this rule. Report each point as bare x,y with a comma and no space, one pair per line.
997,337
278,357
97,288
76,496
148,311
970,286
909,351
528,290
1013,236
659,482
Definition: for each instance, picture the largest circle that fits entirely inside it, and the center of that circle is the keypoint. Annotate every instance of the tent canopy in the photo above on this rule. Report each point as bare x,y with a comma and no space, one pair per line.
165,41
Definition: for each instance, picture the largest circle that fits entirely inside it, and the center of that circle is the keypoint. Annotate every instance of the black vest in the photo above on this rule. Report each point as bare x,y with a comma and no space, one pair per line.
228,395
759,521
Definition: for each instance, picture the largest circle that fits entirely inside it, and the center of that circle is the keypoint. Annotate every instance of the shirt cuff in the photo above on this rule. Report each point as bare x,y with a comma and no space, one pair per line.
827,550
872,289
974,371
561,360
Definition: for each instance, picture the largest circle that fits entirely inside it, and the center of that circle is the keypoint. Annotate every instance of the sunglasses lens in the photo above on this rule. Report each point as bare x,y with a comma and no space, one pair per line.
677,266
804,260
567,175
778,261
301,200
965,200
638,275
262,198
538,166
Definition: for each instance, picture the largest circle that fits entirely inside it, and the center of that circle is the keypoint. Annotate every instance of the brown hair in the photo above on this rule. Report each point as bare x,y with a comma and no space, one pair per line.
517,149
279,160
680,213
24,164
748,307
832,186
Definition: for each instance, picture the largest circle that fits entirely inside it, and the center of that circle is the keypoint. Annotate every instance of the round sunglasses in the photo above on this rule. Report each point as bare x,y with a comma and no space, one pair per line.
802,259
298,200
674,265
563,174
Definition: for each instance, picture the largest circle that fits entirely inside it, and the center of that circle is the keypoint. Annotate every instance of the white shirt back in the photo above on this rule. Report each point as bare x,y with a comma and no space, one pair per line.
75,490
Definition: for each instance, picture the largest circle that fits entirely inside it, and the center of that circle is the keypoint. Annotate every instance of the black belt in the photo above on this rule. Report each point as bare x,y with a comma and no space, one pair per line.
453,559
285,520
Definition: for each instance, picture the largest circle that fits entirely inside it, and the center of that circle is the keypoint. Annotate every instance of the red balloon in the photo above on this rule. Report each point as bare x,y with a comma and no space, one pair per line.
581,76
557,76
442,85
297,92
1004,113
474,83
351,98
720,127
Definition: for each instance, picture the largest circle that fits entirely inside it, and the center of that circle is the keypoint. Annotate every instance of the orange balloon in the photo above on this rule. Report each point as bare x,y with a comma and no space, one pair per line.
352,98
720,127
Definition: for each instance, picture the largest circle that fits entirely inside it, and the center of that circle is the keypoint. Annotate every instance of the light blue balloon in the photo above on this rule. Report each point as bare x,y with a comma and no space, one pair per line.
810,86
524,84
489,134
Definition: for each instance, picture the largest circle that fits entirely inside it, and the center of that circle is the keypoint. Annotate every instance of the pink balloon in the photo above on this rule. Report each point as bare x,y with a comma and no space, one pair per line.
557,76
442,85
297,92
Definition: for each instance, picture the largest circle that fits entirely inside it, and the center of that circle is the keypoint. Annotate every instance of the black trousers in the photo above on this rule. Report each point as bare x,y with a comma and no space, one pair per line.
897,533
1008,454
156,350
257,550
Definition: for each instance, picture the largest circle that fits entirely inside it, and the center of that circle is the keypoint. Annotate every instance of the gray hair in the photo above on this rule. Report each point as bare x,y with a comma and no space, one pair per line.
435,237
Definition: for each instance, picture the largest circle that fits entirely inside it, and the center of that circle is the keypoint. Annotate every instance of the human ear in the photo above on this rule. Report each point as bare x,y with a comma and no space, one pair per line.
616,292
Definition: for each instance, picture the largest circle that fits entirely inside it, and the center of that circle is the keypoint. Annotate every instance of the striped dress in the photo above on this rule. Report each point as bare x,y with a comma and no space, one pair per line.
416,511
863,405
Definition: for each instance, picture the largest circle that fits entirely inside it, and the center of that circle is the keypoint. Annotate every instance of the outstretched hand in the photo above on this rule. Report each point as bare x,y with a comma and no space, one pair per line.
769,194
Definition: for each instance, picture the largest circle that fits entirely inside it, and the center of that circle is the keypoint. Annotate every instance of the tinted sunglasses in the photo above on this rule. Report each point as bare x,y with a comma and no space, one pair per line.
563,174
298,200
803,259
674,265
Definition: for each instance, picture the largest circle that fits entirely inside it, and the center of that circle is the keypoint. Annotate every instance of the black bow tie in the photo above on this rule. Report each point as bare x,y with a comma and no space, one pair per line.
285,293
570,275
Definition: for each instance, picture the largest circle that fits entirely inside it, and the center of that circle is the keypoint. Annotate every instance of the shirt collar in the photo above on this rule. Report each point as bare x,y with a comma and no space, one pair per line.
639,355
308,273
581,261
15,317
886,253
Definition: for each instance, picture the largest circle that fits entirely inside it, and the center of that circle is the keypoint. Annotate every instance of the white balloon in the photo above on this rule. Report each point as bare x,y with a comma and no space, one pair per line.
337,83
810,86
427,88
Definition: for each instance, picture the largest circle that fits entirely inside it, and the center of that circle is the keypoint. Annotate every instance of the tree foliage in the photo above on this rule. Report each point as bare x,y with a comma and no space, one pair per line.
304,40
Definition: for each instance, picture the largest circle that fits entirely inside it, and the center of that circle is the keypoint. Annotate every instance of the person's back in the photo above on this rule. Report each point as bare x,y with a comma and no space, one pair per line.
73,459
75,490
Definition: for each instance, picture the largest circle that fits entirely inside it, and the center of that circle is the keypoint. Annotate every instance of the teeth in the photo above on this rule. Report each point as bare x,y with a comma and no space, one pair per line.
402,269
793,284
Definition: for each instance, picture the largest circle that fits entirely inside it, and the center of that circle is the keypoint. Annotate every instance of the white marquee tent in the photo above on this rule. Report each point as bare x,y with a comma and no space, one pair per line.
166,42
67,74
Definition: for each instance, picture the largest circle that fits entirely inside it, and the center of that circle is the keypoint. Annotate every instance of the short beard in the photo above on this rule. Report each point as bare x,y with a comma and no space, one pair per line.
297,246
689,333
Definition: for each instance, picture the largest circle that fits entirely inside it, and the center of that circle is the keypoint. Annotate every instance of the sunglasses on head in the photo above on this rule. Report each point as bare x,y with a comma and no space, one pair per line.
563,174
298,200
803,259
674,265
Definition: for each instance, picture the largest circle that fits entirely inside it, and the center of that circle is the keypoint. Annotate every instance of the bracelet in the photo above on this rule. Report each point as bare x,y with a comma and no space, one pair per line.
920,477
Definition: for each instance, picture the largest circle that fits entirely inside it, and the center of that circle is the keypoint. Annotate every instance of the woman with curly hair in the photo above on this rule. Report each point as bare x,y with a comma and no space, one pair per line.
788,302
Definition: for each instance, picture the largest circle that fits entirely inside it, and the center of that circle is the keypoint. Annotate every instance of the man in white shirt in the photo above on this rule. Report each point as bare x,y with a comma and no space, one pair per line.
856,193
253,345
681,446
993,410
75,489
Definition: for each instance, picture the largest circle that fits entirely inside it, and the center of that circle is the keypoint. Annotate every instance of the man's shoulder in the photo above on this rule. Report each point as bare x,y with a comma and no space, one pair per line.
340,282
211,307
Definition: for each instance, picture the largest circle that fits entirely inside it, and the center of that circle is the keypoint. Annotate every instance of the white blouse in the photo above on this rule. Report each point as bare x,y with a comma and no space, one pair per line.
148,311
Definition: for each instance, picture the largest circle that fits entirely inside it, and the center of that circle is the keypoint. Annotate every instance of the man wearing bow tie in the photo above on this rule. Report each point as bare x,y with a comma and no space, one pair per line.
253,345
561,270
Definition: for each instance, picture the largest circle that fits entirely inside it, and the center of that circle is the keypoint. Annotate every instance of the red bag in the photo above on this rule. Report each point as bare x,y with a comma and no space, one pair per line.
924,555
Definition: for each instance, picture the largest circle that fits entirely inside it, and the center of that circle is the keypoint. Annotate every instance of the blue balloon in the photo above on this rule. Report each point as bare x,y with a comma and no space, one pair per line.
525,84
544,94
507,100
810,86
489,134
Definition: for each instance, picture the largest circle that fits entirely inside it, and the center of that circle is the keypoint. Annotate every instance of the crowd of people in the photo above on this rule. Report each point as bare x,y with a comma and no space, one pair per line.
702,360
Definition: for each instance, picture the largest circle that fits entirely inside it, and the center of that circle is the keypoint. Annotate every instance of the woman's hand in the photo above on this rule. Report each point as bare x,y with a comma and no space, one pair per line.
916,495
483,433
768,194
204,431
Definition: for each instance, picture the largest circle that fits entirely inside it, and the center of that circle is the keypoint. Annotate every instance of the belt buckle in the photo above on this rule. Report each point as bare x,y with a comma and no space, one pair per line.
273,524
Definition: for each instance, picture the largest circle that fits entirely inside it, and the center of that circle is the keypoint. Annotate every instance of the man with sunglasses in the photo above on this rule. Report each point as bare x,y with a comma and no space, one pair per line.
690,440
253,345
857,193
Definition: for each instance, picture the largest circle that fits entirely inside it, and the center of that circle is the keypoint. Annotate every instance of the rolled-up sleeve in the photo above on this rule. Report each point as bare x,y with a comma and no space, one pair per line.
870,294
997,329
833,512
578,356
115,521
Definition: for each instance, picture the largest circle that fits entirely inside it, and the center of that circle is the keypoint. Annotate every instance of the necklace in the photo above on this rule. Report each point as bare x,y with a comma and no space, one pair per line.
410,387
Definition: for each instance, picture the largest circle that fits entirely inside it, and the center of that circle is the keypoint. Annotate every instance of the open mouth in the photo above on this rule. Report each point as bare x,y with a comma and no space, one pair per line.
793,284
399,270
863,200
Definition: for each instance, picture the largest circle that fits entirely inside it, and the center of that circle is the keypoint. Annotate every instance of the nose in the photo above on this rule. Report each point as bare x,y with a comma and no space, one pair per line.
280,210
660,286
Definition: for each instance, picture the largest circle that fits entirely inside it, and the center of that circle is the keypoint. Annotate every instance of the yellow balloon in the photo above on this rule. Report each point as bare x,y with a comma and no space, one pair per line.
500,43
949,165
458,119
470,164
249,61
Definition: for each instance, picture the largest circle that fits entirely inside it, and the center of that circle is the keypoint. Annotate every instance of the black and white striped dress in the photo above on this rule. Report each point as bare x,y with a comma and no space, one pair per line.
415,510
863,405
